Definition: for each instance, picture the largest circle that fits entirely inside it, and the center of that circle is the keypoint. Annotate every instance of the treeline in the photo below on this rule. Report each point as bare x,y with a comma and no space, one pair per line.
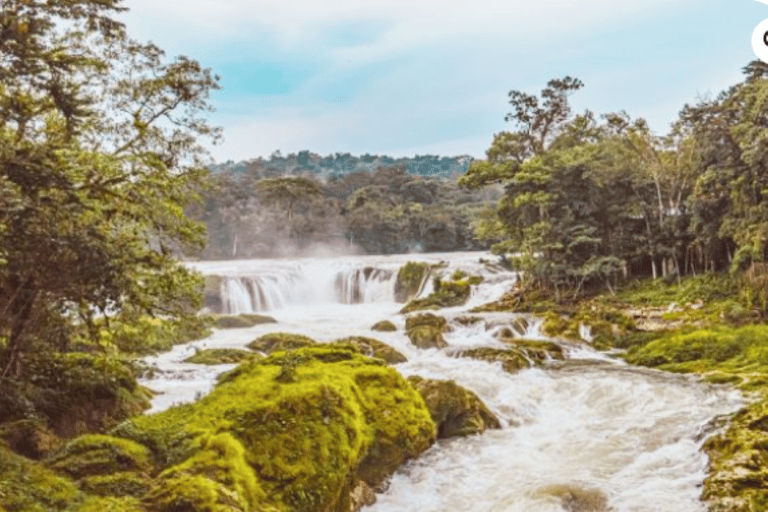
341,164
591,199
385,211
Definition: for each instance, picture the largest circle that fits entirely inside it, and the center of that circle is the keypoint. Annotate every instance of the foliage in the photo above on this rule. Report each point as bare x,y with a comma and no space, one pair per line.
100,152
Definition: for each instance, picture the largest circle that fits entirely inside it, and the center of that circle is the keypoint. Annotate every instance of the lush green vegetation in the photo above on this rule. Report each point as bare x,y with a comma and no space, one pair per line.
591,199
381,211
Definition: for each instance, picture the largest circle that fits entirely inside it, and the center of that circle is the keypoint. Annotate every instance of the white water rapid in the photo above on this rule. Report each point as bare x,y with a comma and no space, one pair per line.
589,434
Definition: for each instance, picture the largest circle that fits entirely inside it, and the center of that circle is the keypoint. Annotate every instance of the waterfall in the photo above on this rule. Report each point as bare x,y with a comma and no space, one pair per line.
588,433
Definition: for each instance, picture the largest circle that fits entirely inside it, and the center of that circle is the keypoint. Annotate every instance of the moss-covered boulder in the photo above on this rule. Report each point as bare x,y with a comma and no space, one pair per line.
512,360
98,455
538,351
455,410
241,321
410,280
384,326
74,393
738,463
214,356
275,341
373,348
446,294
28,486
122,484
426,330
295,431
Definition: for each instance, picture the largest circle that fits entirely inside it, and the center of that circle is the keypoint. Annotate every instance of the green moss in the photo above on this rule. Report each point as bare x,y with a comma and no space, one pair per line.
741,351
410,280
186,493
511,360
276,341
445,294
123,484
241,321
339,416
467,320
738,479
92,455
537,351
26,486
214,356
110,504
373,348
29,437
426,330
456,411
384,326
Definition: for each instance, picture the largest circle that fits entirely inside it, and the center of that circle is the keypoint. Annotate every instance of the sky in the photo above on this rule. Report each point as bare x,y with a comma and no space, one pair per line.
417,77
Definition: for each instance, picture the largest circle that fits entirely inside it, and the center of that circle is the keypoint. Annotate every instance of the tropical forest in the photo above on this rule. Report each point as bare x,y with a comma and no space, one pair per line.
574,322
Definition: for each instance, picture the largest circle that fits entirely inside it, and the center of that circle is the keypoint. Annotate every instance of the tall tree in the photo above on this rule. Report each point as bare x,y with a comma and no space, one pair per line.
99,153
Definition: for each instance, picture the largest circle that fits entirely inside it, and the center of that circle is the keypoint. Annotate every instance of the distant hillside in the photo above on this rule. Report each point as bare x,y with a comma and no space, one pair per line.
342,164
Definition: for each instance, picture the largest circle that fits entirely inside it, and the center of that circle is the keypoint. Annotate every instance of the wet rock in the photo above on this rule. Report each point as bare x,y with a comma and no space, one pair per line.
410,280
374,348
426,330
242,321
511,360
384,326
455,410
275,341
577,499
214,356
537,351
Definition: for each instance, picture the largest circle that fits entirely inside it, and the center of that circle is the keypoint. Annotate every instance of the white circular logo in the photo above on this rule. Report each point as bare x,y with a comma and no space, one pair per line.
760,41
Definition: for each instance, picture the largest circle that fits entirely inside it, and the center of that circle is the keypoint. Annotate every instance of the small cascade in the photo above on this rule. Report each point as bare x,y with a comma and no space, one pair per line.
364,285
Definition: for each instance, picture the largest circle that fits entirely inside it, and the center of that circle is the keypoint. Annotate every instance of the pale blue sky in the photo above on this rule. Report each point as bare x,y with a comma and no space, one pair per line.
406,77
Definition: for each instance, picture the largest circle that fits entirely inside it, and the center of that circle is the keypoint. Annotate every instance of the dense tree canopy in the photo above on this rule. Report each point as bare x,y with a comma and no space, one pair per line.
589,198
99,149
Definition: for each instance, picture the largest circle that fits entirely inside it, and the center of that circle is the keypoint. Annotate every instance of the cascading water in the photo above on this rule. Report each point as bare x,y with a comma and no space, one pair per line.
586,434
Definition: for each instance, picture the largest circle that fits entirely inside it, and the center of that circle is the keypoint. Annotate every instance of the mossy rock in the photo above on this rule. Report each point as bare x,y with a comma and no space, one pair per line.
241,321
126,483
426,330
384,326
467,320
308,423
31,438
94,455
446,294
455,410
31,487
187,493
214,356
275,341
410,280
373,348
738,458
538,351
512,361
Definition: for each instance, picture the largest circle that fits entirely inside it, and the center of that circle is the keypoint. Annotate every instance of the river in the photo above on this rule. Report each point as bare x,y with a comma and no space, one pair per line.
587,434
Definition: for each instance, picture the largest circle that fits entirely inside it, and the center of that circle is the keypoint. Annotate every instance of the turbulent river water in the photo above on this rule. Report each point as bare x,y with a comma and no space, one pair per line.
587,434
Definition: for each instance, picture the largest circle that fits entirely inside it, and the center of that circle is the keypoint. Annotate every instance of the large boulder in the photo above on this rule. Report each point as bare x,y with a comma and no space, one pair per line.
456,411
426,330
314,429
384,326
410,280
373,348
